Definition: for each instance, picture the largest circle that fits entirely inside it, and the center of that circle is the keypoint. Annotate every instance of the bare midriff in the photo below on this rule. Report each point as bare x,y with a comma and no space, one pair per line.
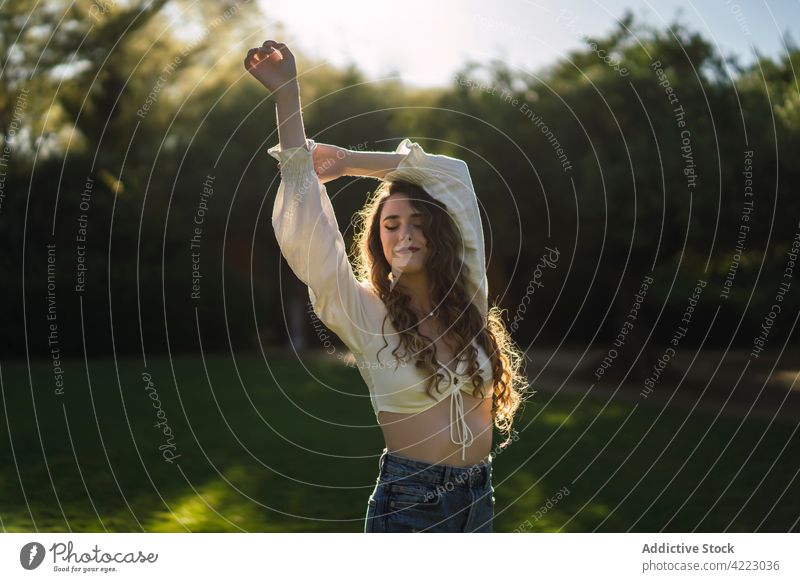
425,436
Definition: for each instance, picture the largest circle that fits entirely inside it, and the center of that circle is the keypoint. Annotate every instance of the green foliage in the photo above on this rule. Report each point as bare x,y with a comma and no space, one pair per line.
119,97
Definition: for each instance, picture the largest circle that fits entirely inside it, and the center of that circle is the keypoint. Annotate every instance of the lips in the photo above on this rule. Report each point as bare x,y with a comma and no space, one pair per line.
405,249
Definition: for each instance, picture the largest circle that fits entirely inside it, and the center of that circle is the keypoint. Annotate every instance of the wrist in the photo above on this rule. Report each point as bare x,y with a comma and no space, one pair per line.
289,91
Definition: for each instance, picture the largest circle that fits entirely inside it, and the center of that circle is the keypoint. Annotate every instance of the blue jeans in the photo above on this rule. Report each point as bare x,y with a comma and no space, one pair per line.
415,496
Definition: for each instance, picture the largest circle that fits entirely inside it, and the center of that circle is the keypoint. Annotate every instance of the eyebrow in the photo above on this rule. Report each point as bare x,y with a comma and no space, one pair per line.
397,216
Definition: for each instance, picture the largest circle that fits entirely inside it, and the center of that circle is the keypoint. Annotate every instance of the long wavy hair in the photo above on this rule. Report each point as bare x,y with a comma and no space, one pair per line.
449,293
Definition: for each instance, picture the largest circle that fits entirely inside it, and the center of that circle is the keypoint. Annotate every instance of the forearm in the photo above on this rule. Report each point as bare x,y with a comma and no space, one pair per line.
371,164
291,132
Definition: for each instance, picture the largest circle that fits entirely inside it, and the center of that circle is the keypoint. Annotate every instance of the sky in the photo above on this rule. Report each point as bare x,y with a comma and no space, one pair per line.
427,41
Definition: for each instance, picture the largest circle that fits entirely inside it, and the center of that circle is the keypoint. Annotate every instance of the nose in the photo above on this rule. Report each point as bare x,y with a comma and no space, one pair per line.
403,241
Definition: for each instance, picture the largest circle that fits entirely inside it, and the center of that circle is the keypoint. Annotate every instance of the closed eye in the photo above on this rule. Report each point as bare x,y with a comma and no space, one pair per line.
395,228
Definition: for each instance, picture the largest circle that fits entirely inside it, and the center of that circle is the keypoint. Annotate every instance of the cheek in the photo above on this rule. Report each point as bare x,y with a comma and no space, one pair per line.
428,251
386,243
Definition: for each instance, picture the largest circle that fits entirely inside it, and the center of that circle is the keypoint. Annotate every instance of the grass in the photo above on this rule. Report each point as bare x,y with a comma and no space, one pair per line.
291,446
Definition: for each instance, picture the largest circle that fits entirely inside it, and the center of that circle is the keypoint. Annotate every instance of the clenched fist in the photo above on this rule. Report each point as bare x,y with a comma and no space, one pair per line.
272,64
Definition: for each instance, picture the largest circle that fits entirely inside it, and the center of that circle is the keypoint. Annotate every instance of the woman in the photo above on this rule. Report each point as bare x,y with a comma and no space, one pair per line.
440,366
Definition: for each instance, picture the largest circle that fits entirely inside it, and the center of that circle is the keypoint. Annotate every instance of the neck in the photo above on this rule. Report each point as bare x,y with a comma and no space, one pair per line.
417,286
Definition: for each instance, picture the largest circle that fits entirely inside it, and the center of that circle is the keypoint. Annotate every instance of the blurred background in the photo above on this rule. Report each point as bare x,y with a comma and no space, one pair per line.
637,173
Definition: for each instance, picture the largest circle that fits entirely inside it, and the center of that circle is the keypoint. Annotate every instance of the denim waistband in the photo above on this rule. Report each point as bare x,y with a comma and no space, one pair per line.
392,467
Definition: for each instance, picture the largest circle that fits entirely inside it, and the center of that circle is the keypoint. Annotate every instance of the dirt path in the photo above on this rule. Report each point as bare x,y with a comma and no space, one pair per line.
759,395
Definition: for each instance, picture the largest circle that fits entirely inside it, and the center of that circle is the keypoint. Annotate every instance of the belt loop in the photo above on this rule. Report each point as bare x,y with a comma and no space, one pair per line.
478,476
446,477
382,460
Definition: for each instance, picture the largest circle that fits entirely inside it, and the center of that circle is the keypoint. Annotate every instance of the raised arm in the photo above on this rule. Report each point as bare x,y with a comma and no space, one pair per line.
273,64
332,162
303,218
371,164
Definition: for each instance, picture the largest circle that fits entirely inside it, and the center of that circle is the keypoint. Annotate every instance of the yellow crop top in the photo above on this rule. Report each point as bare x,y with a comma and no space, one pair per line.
309,237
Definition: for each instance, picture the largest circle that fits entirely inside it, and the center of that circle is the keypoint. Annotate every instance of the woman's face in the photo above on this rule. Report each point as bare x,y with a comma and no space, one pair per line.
402,237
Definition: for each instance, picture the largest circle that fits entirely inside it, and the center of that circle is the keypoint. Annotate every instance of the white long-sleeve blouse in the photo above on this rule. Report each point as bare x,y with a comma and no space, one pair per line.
308,234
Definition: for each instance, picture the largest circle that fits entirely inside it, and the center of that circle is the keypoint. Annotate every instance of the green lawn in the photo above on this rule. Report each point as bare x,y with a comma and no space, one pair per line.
267,446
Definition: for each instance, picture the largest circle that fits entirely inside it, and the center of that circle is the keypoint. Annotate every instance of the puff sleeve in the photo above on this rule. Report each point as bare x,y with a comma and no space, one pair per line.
310,241
448,180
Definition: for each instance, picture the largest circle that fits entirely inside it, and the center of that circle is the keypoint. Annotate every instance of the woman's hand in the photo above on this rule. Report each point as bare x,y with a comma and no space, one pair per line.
330,162
273,65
